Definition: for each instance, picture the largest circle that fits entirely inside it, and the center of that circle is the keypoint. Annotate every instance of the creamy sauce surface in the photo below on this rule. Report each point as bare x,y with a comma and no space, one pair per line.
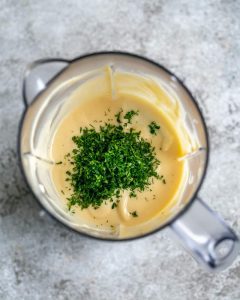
96,102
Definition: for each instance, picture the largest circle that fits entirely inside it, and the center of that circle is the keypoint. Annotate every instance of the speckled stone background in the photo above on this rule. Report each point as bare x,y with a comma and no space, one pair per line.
200,42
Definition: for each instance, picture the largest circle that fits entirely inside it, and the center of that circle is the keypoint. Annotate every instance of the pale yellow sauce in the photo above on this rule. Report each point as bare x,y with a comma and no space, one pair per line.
96,102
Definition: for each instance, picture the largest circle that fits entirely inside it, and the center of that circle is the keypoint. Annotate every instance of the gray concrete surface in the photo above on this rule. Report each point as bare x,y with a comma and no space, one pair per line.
200,41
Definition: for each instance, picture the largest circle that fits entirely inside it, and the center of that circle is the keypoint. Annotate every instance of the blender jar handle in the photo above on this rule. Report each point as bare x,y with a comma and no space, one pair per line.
38,75
206,236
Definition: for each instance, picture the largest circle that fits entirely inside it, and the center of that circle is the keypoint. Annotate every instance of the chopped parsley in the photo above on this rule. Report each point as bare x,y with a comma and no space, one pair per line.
118,116
134,214
114,205
129,115
132,194
153,128
107,161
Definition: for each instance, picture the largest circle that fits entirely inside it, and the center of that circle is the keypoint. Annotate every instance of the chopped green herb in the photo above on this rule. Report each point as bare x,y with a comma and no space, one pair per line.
129,115
59,163
134,214
114,205
62,192
164,181
118,116
108,161
132,194
153,127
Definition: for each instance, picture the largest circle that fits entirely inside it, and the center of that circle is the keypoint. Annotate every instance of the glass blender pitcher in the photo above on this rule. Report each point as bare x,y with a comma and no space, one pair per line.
46,89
